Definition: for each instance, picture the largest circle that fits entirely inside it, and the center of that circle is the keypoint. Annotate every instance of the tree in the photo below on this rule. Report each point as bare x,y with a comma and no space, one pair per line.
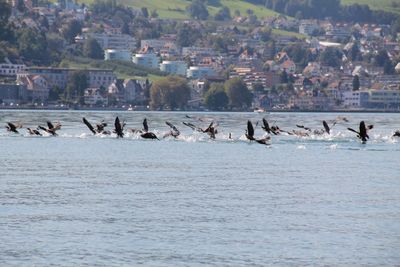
55,93
145,12
5,12
92,49
388,68
284,77
154,14
77,83
32,45
331,57
238,94
381,58
356,83
187,35
71,29
169,92
258,87
265,34
197,10
223,14
216,98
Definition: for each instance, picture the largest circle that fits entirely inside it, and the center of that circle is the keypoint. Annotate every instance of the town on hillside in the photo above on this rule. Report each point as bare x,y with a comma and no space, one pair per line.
105,55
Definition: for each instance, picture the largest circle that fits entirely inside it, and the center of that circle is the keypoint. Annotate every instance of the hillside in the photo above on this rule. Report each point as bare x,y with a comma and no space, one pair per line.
175,9
386,5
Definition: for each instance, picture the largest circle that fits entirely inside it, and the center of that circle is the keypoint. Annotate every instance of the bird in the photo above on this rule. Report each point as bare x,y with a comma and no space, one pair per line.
33,132
362,134
326,129
11,127
396,133
274,129
303,127
210,130
174,132
146,134
119,128
250,135
51,129
99,127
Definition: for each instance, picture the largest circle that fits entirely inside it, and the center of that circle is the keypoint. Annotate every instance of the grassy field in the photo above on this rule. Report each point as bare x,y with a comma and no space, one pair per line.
123,70
175,9
387,5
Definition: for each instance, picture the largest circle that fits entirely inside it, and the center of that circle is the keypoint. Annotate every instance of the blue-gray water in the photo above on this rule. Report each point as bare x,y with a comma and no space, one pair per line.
83,200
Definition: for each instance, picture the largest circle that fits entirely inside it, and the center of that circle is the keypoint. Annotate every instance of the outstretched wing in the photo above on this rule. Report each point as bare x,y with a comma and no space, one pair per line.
250,128
145,126
192,126
352,130
326,127
91,128
118,128
172,126
50,125
266,126
11,126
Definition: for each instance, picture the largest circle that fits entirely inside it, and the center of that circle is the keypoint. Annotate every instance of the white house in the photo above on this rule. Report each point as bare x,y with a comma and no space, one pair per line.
113,54
149,60
174,67
199,72
109,41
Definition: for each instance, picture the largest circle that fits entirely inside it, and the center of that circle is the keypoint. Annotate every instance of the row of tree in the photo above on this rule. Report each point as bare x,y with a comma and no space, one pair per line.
320,9
173,92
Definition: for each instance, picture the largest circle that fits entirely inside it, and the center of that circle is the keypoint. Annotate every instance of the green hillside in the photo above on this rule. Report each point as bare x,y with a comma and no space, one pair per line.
175,9
386,5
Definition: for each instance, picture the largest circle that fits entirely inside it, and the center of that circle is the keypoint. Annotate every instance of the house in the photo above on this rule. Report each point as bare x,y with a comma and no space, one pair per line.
93,96
8,68
313,69
59,76
109,40
355,99
13,93
174,67
38,87
308,27
289,66
148,60
125,91
199,72
114,54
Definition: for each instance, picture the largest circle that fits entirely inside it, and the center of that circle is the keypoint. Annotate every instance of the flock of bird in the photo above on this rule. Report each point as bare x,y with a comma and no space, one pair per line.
211,130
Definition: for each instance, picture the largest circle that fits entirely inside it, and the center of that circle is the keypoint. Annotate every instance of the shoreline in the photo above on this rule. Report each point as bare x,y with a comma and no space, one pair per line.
200,111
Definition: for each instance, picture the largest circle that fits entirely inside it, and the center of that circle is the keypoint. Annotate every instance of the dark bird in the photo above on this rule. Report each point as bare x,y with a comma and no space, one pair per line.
362,134
146,134
51,129
396,133
210,130
326,127
87,123
250,135
99,127
174,132
149,135
303,127
274,129
119,128
33,132
11,127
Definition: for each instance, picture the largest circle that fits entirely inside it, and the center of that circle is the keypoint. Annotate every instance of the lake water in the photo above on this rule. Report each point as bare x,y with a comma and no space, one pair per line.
84,200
